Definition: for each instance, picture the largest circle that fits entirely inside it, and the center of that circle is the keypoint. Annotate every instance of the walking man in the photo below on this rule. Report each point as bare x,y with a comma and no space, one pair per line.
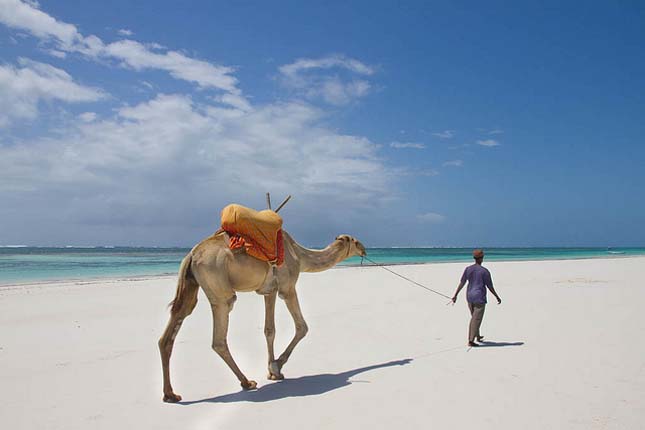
479,279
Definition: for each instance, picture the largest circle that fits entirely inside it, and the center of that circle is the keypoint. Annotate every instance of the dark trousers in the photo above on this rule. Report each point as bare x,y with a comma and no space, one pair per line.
476,317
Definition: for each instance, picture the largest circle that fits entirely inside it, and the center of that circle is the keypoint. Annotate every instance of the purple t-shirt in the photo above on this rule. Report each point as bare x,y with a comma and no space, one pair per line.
478,278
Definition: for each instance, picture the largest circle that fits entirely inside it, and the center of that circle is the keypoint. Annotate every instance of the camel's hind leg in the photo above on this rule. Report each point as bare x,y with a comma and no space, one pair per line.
177,315
301,331
221,310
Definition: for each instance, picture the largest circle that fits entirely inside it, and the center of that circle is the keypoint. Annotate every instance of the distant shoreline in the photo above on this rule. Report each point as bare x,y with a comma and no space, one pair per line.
166,275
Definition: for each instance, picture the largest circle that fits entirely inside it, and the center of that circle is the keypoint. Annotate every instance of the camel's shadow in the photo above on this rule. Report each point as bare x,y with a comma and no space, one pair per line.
299,387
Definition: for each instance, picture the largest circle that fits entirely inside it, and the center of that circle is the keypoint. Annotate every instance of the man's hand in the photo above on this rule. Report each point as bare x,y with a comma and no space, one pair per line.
499,301
459,287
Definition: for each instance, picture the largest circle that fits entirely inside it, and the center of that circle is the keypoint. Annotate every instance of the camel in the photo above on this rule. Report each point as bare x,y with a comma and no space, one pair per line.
222,272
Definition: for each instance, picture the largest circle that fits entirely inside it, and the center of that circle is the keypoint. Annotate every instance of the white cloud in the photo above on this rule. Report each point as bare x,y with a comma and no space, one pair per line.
172,161
125,32
454,163
311,78
293,70
496,131
23,88
87,116
130,54
431,217
334,91
446,134
27,16
137,56
488,143
235,101
147,84
416,172
56,53
170,158
405,145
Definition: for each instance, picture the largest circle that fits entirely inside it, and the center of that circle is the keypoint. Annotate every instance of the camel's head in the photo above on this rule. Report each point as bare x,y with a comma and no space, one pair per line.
355,247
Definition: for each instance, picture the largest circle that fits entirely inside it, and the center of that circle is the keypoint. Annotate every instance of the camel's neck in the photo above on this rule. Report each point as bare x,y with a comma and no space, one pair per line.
318,260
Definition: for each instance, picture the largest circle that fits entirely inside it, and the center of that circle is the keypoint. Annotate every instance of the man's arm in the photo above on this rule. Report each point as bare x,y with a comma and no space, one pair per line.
489,285
459,287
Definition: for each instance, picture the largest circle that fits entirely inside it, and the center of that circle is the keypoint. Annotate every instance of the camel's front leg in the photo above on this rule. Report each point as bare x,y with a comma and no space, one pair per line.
269,332
301,330
220,329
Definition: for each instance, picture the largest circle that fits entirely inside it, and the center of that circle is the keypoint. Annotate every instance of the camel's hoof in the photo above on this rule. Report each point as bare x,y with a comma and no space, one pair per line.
274,370
249,385
171,398
278,377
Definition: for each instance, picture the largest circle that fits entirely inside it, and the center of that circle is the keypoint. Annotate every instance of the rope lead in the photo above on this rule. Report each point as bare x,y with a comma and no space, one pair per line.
406,278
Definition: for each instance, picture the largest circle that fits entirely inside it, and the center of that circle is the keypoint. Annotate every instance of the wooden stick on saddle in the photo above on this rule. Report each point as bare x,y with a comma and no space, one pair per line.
283,203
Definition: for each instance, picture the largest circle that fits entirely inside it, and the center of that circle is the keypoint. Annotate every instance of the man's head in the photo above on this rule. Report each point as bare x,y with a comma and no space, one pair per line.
478,255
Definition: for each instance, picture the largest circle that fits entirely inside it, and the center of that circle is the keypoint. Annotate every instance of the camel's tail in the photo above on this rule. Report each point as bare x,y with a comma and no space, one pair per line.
187,287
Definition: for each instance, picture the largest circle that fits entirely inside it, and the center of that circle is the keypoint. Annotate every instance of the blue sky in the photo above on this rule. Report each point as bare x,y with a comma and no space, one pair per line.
429,123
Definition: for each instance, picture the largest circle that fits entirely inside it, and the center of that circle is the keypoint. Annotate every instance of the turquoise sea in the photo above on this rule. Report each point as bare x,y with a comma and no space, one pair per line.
35,264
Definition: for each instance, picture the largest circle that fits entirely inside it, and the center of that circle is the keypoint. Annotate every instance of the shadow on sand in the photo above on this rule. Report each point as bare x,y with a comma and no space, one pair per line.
485,344
298,387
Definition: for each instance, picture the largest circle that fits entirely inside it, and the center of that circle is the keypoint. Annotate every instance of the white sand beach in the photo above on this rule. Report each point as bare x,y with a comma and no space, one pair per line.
566,353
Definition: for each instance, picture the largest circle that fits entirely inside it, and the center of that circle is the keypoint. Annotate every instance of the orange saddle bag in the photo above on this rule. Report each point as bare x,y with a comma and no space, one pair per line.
259,232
